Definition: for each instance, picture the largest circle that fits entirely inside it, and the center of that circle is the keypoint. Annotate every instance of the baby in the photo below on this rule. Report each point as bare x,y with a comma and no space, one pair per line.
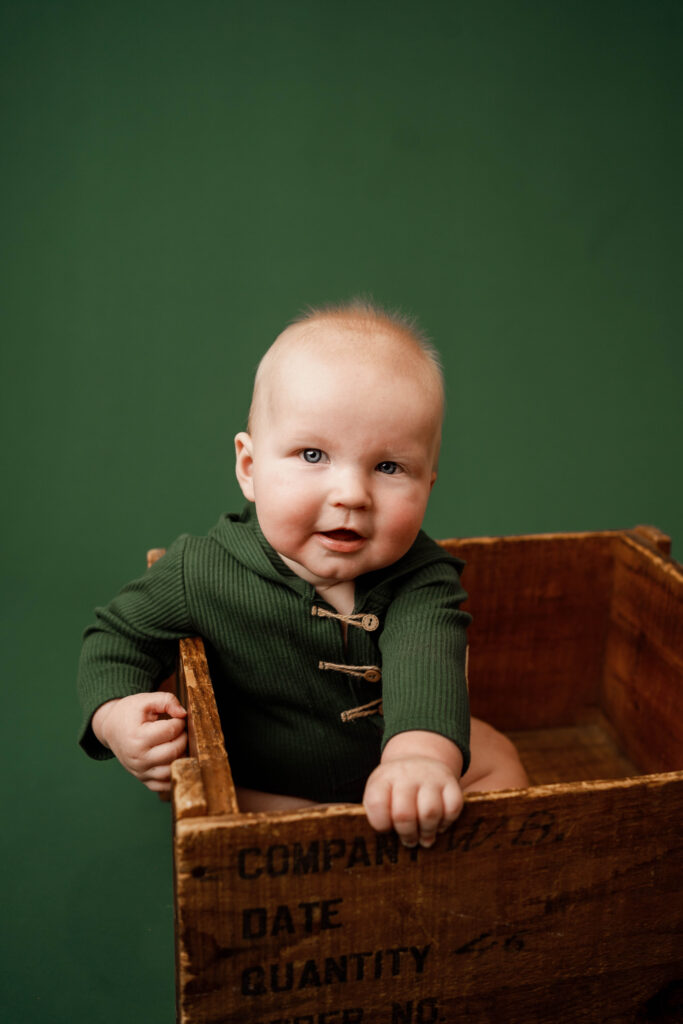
332,623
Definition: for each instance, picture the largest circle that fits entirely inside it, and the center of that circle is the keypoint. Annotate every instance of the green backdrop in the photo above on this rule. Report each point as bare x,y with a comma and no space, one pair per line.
181,178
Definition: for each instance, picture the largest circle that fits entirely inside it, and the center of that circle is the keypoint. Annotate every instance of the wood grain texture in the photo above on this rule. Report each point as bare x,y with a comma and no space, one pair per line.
556,904
205,736
643,679
559,903
189,798
653,536
573,753
540,610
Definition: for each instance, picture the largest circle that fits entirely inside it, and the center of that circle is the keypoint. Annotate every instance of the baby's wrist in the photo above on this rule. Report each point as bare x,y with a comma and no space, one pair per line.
426,746
98,722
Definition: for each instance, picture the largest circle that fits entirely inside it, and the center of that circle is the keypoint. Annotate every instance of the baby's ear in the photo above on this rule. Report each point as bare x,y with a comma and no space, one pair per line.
244,462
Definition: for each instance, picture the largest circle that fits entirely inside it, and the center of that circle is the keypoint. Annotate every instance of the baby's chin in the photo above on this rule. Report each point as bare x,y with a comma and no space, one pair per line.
342,558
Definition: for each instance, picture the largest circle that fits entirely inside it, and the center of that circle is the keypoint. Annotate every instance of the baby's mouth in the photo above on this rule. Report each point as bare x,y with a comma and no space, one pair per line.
342,534
342,541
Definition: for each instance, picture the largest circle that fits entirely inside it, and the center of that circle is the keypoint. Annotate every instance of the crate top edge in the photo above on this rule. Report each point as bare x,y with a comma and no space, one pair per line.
346,812
647,539
629,532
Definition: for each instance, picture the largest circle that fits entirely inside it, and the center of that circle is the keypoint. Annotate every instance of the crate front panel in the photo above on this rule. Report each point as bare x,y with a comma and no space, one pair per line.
535,903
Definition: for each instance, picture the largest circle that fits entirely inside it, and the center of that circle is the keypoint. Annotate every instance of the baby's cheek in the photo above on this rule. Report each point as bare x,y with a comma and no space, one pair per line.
406,521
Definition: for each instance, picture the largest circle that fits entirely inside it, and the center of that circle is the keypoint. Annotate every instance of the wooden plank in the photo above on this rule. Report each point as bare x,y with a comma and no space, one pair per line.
654,537
561,903
540,607
643,681
203,783
205,736
573,753
189,798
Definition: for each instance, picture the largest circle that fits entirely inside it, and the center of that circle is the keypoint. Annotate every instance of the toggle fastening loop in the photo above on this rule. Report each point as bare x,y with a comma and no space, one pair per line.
366,621
370,673
373,708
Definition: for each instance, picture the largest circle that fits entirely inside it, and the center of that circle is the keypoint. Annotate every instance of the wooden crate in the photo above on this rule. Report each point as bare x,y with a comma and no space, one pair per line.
561,902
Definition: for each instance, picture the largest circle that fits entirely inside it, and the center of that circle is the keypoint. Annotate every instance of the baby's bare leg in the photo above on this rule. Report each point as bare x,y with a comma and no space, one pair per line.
254,800
495,763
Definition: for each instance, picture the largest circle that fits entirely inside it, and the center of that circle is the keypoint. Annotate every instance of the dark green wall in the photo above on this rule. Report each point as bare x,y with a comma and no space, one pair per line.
179,179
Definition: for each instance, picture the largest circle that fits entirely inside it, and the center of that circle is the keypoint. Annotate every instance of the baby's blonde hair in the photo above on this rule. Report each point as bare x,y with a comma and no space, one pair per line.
353,315
360,309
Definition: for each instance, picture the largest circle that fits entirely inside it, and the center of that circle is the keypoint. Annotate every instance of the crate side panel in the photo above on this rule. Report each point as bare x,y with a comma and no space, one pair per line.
205,735
644,663
540,608
534,902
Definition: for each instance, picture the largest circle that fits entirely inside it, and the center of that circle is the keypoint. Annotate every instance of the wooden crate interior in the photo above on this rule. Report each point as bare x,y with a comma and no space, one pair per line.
557,902
576,652
571,650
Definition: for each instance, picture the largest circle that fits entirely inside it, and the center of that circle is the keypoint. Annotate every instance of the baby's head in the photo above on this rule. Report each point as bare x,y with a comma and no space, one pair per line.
343,440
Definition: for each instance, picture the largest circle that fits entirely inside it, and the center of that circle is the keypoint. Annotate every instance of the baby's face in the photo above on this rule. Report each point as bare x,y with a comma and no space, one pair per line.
340,463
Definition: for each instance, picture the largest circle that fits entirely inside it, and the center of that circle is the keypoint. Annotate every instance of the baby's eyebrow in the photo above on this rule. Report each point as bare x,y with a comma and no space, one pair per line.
401,454
307,441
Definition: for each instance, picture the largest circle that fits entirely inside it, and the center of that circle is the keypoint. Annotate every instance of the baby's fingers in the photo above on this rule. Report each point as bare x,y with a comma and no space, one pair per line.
164,730
430,814
453,804
377,803
161,702
147,758
158,779
167,753
437,809
405,814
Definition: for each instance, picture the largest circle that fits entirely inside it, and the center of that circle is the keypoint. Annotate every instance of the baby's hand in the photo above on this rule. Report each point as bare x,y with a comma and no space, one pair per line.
139,732
415,789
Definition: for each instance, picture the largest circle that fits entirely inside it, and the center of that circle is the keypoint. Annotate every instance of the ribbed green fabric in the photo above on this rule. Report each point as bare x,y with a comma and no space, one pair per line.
281,714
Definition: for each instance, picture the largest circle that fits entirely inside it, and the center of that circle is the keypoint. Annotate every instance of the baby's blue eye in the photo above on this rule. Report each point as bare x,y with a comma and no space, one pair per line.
312,455
387,467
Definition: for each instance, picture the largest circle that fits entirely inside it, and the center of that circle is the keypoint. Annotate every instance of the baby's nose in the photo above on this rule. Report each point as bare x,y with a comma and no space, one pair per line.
350,489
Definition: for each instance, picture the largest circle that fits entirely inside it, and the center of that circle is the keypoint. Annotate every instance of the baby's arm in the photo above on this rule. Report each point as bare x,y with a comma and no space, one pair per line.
415,789
146,732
